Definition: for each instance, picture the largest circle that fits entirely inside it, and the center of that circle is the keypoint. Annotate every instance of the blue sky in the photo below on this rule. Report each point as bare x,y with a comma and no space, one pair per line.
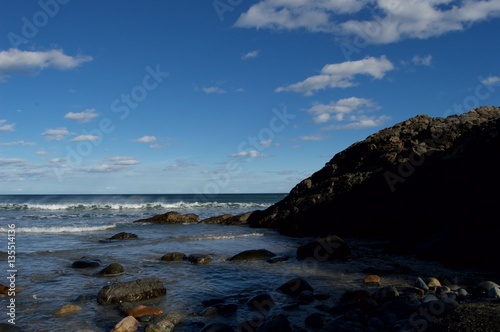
224,96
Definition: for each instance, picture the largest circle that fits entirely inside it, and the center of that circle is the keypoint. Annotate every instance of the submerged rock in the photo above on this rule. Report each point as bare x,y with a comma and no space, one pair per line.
86,263
173,256
217,327
112,269
130,291
123,236
67,309
254,254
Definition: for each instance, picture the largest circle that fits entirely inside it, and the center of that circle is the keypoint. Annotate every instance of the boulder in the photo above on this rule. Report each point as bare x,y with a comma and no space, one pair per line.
112,269
220,309
324,249
277,259
140,289
67,309
388,172
172,217
123,236
173,256
254,254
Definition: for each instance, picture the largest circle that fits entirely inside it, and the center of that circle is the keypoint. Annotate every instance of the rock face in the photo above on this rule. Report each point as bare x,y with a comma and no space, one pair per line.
172,217
424,183
130,291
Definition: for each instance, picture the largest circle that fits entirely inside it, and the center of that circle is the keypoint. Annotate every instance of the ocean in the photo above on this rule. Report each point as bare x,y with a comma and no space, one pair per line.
53,231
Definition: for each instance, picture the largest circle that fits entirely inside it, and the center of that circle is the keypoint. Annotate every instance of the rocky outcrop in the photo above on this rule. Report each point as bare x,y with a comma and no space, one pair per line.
425,183
228,219
172,217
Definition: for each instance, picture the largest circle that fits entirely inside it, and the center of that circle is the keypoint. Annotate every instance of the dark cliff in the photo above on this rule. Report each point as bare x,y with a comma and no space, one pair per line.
427,184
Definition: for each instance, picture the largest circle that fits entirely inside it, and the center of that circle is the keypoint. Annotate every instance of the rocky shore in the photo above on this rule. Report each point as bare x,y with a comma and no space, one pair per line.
425,186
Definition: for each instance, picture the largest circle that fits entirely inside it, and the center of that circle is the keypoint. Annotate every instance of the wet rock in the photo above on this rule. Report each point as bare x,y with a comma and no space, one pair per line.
112,269
172,217
165,324
142,310
7,327
67,309
199,259
254,254
123,236
173,256
294,287
250,325
324,249
128,324
372,280
217,327
211,302
136,290
486,288
86,263
4,290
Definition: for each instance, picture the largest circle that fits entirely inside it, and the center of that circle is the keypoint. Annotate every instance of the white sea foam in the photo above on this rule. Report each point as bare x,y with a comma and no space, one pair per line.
130,206
60,229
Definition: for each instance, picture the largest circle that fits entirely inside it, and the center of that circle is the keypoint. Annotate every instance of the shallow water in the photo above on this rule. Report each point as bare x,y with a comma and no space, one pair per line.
53,232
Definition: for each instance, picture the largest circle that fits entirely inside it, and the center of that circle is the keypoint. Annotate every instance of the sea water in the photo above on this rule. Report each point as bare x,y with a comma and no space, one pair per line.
53,231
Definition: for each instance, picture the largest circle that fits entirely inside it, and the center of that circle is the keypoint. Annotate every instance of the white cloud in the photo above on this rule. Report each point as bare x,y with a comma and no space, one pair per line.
249,154
18,143
55,134
361,122
491,80
250,55
41,152
422,60
265,143
312,138
83,117
123,161
146,139
82,138
17,61
386,21
341,75
6,127
12,161
213,89
337,110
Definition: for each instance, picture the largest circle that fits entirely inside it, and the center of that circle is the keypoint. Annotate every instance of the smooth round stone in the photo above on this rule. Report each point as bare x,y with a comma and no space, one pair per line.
67,309
112,269
419,283
372,280
433,282
142,310
494,293
127,324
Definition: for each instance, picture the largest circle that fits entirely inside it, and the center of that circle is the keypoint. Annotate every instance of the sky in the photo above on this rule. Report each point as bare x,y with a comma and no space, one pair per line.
224,96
